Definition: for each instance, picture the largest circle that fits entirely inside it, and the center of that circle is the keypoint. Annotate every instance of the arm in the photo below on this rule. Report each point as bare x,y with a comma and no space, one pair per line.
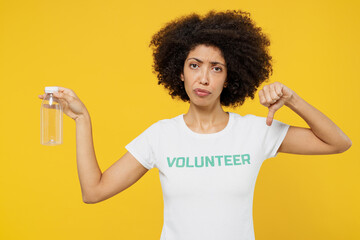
96,186
323,136
87,165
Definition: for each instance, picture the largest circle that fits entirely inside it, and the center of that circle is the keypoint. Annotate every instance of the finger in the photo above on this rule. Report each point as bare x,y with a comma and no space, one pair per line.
273,94
270,117
262,98
67,91
42,96
278,90
268,95
63,96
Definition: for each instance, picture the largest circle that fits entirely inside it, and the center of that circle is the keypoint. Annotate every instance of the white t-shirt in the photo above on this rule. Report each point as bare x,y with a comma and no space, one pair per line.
208,180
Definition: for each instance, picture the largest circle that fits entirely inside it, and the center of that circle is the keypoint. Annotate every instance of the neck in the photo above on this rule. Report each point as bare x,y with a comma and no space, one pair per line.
205,117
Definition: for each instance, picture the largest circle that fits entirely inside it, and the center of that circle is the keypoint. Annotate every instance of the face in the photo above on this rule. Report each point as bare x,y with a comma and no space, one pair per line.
204,69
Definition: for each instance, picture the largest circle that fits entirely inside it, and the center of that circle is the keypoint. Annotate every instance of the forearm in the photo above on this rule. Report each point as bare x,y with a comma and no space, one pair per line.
88,168
321,125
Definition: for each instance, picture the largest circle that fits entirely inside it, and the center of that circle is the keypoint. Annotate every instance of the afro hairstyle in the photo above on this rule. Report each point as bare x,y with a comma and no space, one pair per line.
243,45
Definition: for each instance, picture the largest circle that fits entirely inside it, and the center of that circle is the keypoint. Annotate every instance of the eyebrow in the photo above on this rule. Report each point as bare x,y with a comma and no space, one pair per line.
210,62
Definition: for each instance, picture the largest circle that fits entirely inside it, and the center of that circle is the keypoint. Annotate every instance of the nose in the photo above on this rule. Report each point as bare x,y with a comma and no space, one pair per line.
204,77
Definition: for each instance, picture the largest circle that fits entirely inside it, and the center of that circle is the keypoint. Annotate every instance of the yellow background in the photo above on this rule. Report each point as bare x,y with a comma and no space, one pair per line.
100,50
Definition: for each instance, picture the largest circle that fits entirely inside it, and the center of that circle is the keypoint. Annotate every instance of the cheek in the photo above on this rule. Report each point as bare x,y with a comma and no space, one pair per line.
219,86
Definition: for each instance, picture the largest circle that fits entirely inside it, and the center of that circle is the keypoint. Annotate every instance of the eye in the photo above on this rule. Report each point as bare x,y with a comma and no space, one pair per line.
219,69
191,64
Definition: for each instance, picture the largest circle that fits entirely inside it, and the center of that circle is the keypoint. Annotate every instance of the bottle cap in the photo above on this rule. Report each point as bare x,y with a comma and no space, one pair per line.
51,89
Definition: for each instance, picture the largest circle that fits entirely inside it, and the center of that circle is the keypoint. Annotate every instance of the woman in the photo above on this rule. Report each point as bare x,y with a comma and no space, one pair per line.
208,159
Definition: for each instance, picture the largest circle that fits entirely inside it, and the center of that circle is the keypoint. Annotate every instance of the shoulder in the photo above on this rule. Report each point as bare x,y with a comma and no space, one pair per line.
165,124
254,119
249,119
255,124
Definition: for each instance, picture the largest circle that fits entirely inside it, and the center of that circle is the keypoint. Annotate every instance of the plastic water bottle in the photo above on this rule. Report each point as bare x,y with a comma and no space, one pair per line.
51,118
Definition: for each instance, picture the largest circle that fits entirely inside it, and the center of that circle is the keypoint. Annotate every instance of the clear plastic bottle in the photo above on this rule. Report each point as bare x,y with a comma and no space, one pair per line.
51,118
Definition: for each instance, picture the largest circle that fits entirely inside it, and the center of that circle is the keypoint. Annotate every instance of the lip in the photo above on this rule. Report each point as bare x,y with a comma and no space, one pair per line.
201,92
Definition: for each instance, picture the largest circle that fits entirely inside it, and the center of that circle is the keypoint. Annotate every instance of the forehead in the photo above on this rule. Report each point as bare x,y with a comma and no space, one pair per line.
207,53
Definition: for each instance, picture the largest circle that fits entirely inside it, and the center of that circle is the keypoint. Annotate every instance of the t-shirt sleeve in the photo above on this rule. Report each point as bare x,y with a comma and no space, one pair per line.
274,136
144,146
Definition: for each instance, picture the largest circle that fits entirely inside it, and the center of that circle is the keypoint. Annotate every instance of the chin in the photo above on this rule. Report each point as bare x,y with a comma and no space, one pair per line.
201,102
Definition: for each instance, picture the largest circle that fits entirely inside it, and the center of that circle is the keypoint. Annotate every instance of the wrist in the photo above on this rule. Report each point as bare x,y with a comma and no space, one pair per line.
292,101
83,118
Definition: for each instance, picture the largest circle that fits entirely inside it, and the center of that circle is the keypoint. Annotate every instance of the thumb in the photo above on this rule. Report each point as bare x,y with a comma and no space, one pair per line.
272,109
270,116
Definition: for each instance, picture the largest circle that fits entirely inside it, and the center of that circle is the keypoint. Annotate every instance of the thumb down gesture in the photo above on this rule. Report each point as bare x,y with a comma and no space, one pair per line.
274,96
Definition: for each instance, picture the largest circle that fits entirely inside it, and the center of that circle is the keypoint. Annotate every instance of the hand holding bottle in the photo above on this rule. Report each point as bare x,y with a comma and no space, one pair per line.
71,104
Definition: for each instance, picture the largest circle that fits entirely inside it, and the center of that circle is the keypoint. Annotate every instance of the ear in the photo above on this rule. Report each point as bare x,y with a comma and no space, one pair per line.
182,77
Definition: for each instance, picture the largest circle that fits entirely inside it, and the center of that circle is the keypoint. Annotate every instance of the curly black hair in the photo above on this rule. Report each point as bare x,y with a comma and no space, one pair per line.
242,44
